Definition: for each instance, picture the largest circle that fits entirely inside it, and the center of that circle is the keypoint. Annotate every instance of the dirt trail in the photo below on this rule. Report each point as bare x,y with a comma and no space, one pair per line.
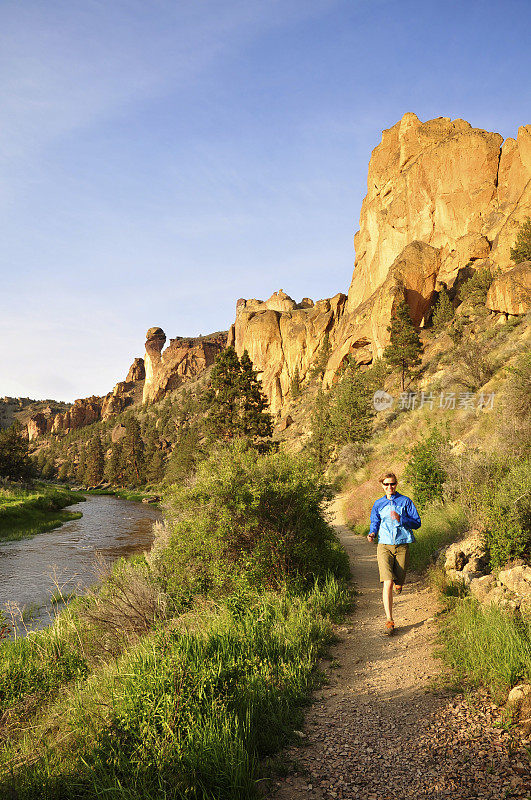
378,731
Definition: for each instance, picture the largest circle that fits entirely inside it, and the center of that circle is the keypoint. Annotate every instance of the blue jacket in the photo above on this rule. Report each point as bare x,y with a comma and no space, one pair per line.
390,531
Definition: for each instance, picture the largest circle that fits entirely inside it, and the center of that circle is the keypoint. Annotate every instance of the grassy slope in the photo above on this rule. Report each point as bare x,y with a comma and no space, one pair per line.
25,512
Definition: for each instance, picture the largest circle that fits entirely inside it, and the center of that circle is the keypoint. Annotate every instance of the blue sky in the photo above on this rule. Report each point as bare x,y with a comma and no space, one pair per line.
159,160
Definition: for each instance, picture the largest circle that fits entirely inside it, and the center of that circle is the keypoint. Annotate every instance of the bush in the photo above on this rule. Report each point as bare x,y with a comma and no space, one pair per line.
474,290
247,519
505,508
443,311
522,246
425,470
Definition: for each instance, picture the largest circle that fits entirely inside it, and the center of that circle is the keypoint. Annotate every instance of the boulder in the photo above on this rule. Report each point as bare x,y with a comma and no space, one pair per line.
470,550
118,432
480,587
285,423
517,580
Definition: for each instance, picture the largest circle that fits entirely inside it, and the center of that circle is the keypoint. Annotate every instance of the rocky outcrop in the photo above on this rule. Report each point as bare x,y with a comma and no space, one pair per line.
511,291
283,337
443,199
183,360
136,372
465,562
87,410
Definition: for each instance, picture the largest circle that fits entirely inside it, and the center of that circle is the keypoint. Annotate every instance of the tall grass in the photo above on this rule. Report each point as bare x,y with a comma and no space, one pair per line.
486,647
184,714
441,525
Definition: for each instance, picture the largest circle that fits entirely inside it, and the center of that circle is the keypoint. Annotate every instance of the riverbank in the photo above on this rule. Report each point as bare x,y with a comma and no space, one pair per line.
139,495
39,508
183,673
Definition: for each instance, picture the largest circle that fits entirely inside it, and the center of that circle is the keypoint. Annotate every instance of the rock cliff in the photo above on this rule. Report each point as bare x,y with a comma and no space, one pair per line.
87,410
181,361
442,197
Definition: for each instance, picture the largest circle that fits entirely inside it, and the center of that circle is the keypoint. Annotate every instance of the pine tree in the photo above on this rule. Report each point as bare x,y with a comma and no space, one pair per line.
351,407
133,462
237,405
443,312
255,421
95,462
81,467
114,470
15,462
296,384
224,395
319,367
154,460
522,246
184,456
320,443
405,347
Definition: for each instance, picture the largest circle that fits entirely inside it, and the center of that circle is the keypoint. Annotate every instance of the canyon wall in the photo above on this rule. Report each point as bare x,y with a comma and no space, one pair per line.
443,199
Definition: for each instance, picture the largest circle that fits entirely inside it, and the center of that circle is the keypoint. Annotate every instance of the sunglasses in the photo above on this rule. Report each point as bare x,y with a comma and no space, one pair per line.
389,484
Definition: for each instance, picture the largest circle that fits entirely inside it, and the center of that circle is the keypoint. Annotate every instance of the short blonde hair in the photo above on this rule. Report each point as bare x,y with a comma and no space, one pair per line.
388,475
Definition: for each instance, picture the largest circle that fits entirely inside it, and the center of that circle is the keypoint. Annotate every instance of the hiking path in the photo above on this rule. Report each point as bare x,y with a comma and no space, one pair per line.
378,730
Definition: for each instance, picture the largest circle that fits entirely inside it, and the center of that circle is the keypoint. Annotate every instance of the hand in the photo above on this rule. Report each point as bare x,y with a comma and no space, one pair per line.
371,537
395,516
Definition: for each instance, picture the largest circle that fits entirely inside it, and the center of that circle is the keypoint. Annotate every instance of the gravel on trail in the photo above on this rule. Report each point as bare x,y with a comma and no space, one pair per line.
379,731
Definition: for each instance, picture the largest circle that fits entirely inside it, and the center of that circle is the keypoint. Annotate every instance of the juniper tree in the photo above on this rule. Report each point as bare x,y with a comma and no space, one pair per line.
237,405
95,462
14,458
255,420
405,348
443,312
295,384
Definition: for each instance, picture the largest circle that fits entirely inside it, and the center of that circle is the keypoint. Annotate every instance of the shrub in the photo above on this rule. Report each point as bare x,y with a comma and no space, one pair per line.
474,290
505,508
522,246
443,311
247,518
425,470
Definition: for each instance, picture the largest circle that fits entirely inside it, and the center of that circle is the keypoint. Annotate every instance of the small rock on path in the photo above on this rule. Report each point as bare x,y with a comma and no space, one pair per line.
378,731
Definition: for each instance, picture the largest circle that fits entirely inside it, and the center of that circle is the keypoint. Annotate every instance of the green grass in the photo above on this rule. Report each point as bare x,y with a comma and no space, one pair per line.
486,647
136,495
441,525
26,512
184,714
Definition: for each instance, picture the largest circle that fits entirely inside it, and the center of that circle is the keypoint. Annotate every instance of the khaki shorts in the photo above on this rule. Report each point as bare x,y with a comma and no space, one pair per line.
393,561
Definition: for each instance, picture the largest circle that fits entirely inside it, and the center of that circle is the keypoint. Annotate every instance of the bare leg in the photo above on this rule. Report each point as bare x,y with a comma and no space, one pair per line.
387,596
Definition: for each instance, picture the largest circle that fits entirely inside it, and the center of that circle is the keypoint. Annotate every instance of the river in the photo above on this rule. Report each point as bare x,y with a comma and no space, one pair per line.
66,559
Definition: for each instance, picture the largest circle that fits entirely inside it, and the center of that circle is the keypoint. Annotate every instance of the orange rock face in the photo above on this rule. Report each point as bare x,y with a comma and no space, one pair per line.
180,362
441,196
511,291
283,337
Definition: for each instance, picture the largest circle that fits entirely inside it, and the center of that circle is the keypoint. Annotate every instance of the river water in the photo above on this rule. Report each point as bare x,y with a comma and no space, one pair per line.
68,558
